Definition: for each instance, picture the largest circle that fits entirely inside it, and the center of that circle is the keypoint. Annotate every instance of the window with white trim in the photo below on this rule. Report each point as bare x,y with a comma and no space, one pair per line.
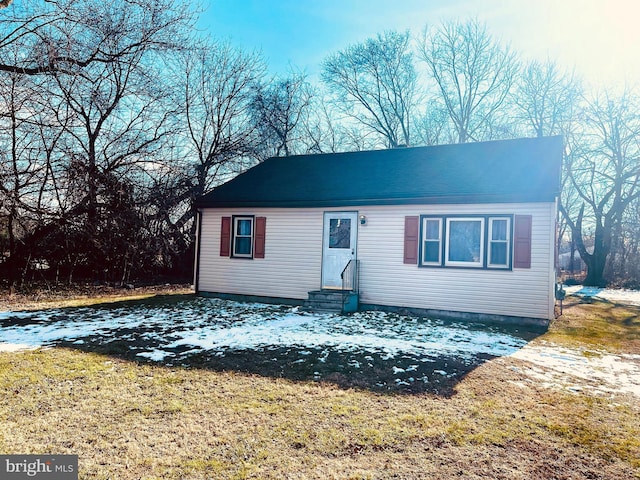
466,241
464,245
242,239
431,241
499,242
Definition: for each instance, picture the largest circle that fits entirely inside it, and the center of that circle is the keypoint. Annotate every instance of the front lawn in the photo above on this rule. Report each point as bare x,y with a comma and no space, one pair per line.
130,419
377,350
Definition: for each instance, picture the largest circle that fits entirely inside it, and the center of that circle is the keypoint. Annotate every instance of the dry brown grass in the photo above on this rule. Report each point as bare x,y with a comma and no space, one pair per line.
600,324
134,421
78,295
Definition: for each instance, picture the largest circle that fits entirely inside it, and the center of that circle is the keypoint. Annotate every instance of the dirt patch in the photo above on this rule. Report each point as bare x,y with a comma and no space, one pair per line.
43,297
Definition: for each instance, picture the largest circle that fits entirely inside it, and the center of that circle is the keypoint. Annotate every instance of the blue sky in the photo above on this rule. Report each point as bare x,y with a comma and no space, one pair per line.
600,37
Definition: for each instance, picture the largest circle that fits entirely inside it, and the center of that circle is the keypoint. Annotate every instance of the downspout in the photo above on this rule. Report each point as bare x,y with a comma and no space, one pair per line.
553,276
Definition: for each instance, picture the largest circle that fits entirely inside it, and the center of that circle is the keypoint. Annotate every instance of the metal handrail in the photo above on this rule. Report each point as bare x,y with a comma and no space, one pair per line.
350,280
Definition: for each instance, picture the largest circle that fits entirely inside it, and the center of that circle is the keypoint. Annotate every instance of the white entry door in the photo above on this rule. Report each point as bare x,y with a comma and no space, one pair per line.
338,246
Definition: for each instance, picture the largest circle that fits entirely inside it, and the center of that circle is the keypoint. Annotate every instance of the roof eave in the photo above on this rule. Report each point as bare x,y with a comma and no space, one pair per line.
351,202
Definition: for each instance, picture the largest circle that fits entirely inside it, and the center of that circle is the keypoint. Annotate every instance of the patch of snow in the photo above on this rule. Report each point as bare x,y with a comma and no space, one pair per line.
14,347
155,355
563,367
215,327
629,297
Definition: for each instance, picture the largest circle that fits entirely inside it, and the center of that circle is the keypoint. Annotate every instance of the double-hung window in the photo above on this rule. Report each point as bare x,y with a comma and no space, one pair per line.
431,241
499,242
242,237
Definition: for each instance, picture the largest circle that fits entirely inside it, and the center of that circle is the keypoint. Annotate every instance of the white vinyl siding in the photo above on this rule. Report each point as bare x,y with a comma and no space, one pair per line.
293,254
293,259
386,280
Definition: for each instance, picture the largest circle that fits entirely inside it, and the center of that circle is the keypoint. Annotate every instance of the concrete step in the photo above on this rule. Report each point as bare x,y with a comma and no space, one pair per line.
332,301
324,306
326,295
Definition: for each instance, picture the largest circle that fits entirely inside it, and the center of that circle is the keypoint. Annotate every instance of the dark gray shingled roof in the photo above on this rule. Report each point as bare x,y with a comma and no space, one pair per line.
520,170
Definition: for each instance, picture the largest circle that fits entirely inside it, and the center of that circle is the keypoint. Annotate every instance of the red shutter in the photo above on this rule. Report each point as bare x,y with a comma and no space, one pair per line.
261,227
225,237
411,233
522,241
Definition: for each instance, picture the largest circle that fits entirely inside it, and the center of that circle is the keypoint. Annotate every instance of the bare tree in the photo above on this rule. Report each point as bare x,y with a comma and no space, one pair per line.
625,271
434,127
20,171
473,74
98,68
546,101
546,98
375,83
604,171
325,129
278,109
66,35
27,164
216,86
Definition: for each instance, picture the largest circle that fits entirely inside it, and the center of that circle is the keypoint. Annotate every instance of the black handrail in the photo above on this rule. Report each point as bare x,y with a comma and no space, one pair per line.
350,280
349,276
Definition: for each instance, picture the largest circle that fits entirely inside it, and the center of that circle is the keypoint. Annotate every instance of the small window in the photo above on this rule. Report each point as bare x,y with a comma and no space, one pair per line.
431,241
499,241
340,233
243,237
465,246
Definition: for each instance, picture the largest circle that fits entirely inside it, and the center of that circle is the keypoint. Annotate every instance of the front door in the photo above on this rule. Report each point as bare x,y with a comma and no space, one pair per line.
338,246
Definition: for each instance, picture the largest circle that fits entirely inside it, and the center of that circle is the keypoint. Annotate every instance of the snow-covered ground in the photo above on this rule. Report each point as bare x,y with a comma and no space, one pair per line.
580,370
628,297
401,350
391,350
219,325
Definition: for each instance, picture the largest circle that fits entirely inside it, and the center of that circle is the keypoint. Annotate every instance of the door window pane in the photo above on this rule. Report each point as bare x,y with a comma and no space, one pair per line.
340,233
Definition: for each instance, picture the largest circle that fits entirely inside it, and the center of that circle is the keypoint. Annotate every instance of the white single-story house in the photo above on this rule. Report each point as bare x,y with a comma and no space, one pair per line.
465,231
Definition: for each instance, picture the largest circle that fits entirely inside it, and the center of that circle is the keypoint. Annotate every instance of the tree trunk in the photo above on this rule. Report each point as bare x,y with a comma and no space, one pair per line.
595,270
598,259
